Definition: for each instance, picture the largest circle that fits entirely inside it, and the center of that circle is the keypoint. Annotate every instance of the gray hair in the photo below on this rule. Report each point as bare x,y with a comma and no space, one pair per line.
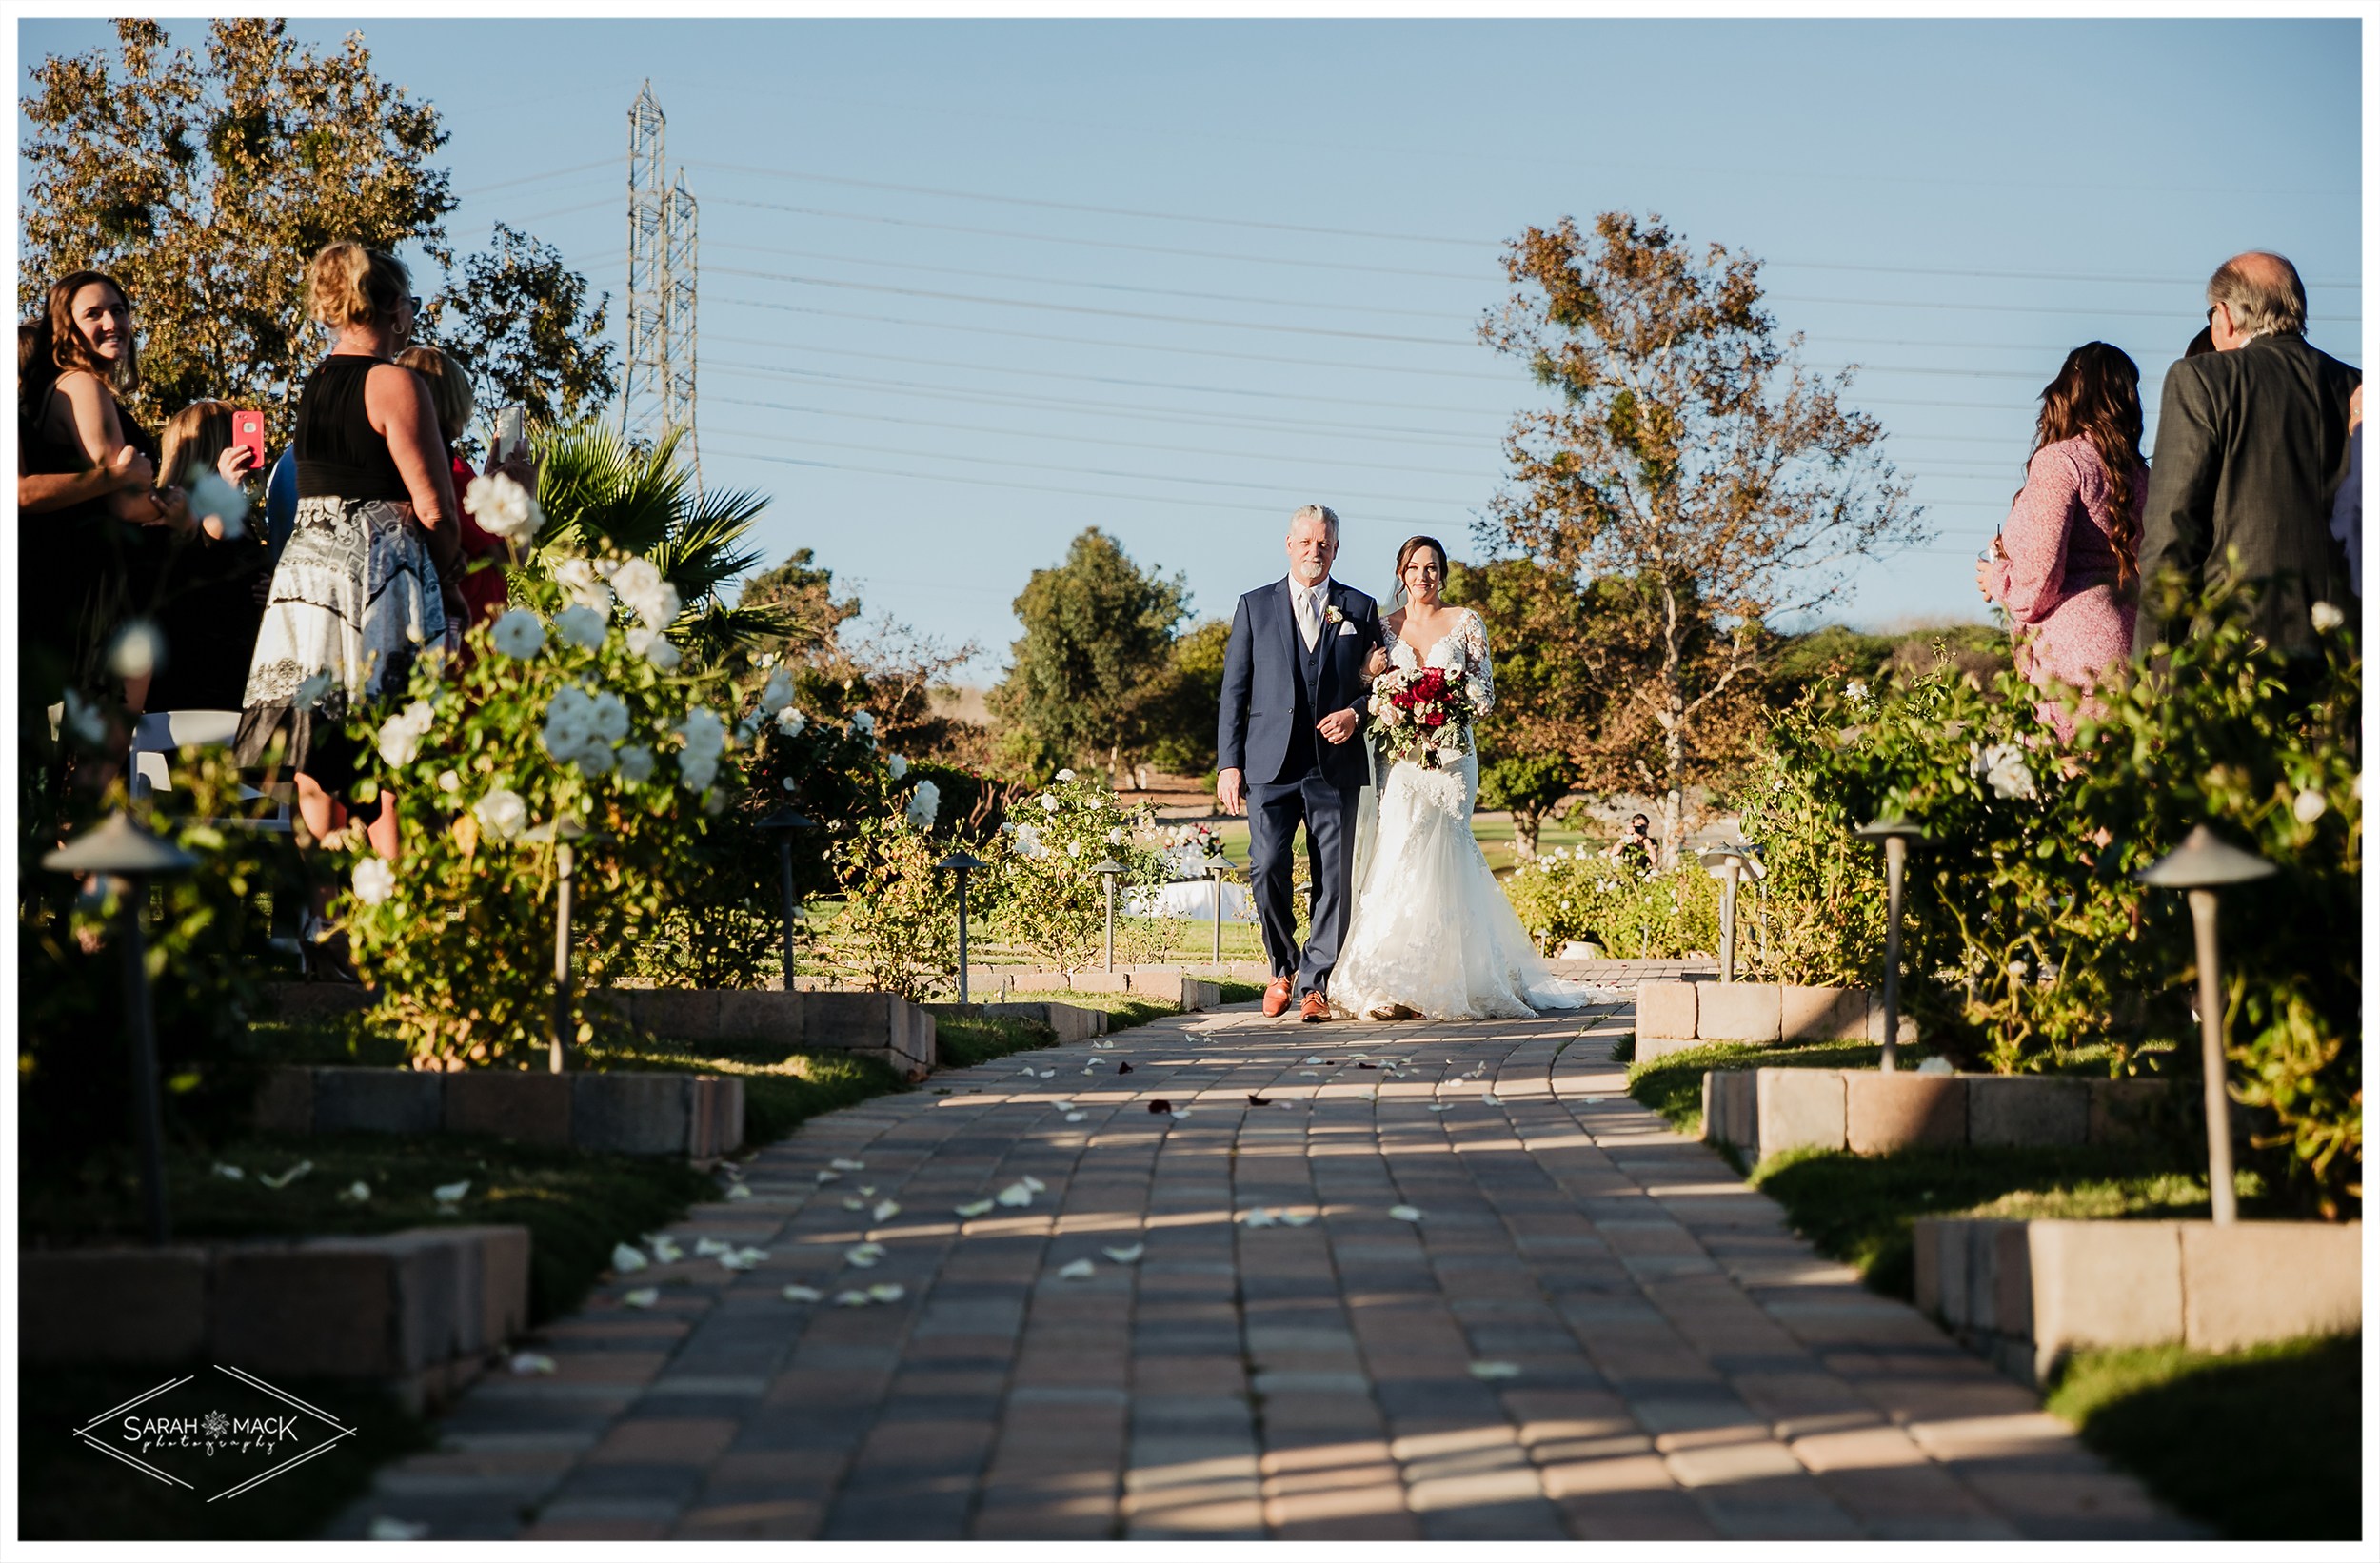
2263,293
1323,513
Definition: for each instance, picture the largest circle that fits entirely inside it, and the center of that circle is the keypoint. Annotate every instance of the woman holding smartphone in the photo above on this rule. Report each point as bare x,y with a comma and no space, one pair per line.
208,604
2067,562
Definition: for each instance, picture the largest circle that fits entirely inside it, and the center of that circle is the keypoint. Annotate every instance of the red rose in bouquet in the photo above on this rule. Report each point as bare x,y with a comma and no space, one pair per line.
1423,716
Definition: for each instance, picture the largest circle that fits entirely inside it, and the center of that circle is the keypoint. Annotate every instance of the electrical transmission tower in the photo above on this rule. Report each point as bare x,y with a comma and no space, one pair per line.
657,392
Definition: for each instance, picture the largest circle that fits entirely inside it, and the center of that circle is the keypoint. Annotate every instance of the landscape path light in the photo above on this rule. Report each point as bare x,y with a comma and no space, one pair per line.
1896,831
1728,864
1216,867
783,824
2202,864
129,856
962,863
559,1032
1107,868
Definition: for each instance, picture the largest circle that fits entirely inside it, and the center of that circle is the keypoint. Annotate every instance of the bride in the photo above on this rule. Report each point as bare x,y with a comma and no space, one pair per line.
1433,933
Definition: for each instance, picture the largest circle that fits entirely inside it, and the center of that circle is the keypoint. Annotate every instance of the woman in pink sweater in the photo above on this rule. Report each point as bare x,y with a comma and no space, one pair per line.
2067,562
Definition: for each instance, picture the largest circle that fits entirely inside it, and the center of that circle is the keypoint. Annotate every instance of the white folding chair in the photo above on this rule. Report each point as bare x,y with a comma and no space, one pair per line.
160,734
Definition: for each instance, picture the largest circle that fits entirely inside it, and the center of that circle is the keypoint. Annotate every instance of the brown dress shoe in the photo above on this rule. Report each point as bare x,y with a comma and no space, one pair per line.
1275,997
1313,1008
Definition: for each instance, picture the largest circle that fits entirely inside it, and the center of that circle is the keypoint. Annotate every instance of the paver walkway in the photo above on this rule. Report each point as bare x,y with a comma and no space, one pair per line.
1674,1361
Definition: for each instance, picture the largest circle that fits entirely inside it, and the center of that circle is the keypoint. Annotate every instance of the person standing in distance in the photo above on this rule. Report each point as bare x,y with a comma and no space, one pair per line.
1294,683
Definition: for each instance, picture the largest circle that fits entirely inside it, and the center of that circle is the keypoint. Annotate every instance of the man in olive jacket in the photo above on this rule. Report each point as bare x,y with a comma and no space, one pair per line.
2251,448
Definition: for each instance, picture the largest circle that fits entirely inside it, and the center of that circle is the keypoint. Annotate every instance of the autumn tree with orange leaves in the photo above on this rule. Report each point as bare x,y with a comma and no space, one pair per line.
1690,454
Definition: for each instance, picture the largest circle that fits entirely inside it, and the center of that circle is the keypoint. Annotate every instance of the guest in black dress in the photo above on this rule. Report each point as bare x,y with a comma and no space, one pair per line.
209,605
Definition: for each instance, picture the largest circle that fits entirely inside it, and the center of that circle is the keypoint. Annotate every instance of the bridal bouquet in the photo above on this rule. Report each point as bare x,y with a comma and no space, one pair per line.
1422,716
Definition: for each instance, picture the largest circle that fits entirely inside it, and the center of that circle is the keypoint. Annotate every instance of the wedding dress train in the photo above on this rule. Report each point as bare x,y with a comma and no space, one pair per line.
1432,932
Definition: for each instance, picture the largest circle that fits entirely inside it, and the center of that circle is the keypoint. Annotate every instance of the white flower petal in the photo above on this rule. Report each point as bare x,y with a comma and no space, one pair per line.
1404,1212
1078,1270
801,1293
643,1297
1126,1255
627,1259
974,1208
1496,1370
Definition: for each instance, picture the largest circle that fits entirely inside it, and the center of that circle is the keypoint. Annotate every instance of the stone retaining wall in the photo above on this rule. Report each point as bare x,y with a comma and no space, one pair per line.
1676,1017
1197,990
1765,1112
2026,1293
878,1025
419,1310
1072,1023
697,1116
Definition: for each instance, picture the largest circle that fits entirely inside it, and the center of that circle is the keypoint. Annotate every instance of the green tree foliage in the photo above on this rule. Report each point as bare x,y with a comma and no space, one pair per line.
1183,725
205,187
1088,679
520,319
1690,452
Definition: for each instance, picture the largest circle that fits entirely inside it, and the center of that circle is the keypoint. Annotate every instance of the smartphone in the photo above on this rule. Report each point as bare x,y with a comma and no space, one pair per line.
248,432
511,439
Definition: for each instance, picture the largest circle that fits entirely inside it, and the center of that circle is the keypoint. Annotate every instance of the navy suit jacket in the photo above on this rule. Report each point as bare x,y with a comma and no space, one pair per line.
1262,675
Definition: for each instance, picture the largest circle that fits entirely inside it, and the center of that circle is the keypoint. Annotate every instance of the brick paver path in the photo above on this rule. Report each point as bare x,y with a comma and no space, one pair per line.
1595,1330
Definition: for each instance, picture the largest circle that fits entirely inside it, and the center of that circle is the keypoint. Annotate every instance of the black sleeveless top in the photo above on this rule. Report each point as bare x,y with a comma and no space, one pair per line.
339,454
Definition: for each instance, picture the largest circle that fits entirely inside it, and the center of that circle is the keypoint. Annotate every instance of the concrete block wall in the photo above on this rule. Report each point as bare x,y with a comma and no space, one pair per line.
1764,1111
1071,1022
419,1310
881,1025
1191,988
2027,1294
1676,1017
697,1116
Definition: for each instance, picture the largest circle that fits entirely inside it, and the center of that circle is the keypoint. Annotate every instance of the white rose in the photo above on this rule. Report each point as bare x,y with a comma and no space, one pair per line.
584,579
501,813
138,648
502,508
518,634
777,693
703,731
1066,776
211,498
636,765
400,735
2309,804
608,716
583,625
696,771
654,647
790,721
925,803
1049,802
862,723
1856,689
375,880
1115,836
449,781
1073,849
898,765
2326,617
594,759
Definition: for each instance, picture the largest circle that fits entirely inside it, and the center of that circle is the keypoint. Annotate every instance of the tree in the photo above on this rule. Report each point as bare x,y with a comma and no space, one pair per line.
205,189
1182,724
1690,453
804,595
520,320
1090,672
1545,704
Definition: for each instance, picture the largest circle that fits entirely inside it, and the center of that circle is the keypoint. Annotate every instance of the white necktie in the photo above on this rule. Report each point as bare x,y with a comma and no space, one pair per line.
1310,615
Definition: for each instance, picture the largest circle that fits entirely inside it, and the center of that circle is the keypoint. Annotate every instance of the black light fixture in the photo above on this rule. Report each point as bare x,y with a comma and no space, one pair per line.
1896,831
1107,868
559,1032
129,856
783,824
2201,866
962,863
1217,866
1728,864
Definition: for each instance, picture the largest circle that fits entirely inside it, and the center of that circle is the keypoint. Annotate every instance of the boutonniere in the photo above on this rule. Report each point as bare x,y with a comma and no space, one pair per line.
1333,616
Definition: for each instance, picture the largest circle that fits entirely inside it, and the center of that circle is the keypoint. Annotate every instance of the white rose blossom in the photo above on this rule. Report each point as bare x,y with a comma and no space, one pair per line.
400,735
898,765
449,781
926,804
211,498
582,579
2328,617
862,723
501,813
581,625
1049,802
518,633
639,583
502,508
790,721
655,647
374,882
777,694
2309,806
1115,835
636,765
2002,766
1066,776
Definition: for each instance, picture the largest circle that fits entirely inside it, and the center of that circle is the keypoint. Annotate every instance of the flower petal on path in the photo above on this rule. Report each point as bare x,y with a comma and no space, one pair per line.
801,1293
886,1210
1126,1255
977,1208
643,1297
1078,1270
1496,1370
627,1259
1404,1212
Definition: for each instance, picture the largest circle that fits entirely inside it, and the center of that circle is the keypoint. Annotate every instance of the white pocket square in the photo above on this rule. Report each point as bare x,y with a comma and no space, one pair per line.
1346,628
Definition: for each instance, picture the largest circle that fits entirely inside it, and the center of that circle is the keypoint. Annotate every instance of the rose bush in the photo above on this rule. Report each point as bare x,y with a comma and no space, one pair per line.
1576,893
1044,894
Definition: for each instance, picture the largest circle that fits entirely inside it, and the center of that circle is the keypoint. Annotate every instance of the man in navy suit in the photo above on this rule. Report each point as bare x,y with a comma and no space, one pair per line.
1294,684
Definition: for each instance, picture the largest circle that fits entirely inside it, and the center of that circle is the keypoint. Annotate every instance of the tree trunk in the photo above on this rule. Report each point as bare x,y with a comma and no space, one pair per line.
1525,824
1673,734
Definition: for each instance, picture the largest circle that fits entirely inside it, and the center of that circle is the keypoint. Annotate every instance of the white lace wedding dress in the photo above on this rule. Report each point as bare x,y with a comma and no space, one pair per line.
1432,932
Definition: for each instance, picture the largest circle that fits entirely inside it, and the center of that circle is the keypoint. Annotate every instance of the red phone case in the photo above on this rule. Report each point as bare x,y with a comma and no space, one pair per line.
248,429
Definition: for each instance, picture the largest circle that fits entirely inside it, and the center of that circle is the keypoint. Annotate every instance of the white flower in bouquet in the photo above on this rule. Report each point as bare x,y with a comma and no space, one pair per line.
581,625
2002,766
211,498
777,694
400,735
862,723
376,882
790,721
1066,776
655,647
519,634
898,765
2328,617
926,804
501,813
503,508
2309,804
636,765
1049,802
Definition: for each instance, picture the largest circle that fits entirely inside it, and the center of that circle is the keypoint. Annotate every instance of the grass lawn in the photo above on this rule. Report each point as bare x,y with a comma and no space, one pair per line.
2264,1444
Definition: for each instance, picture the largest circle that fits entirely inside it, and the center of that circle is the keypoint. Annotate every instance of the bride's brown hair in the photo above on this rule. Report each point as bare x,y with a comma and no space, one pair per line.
1414,546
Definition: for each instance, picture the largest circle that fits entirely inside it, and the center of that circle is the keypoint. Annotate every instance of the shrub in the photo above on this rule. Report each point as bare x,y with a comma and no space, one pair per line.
1044,894
1575,893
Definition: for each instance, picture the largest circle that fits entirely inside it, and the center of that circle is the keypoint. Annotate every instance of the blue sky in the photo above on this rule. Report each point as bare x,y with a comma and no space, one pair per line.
1236,265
